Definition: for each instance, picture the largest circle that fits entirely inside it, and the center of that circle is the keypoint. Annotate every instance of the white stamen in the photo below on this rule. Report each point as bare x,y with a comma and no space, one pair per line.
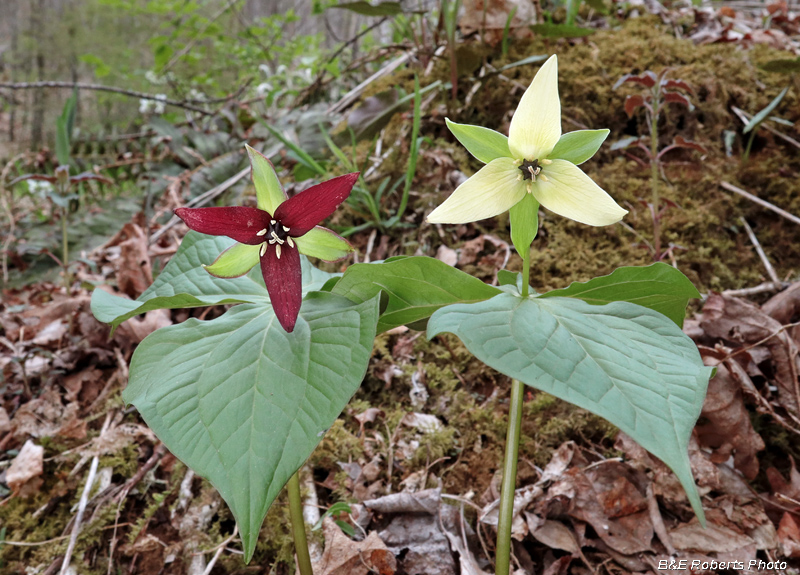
271,242
285,229
263,250
262,232
530,189
278,251
289,240
545,162
272,222
519,178
543,177
275,237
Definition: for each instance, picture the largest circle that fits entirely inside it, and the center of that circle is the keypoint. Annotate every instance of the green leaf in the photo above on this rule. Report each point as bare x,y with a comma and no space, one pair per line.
761,116
415,286
243,403
185,283
367,9
483,143
659,287
783,65
324,244
524,218
64,126
626,363
524,61
549,30
579,146
269,192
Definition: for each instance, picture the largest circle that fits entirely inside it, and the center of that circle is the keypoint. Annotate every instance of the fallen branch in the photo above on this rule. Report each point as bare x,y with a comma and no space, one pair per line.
102,88
200,200
760,251
76,527
759,201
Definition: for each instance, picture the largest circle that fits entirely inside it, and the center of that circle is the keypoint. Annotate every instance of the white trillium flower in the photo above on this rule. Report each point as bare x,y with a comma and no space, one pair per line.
535,159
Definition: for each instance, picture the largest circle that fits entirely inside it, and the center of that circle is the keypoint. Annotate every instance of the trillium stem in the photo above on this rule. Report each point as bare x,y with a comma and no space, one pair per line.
526,273
655,200
506,516
298,525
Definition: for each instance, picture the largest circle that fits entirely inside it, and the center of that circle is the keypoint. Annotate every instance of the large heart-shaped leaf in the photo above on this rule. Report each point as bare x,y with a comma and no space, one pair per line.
628,364
658,287
244,403
184,283
415,286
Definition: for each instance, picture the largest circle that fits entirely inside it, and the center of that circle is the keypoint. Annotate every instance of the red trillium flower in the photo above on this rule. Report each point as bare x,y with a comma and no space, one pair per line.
277,236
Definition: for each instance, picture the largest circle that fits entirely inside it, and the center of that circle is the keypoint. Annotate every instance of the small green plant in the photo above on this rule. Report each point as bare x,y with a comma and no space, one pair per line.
660,91
61,193
757,120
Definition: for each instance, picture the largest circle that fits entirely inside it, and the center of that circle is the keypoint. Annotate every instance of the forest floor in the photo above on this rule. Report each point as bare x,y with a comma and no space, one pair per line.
417,453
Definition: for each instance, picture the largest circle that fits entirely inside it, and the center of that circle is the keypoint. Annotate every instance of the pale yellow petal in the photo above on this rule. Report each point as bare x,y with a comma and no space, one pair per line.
536,125
494,189
569,192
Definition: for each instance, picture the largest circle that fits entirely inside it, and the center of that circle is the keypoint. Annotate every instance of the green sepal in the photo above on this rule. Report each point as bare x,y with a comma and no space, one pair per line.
269,192
483,143
324,244
234,262
578,146
524,219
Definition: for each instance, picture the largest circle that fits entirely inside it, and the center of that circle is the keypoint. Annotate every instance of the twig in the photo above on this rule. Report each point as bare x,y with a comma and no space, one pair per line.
35,543
190,44
200,200
765,287
756,199
76,527
350,97
216,556
754,240
318,80
102,88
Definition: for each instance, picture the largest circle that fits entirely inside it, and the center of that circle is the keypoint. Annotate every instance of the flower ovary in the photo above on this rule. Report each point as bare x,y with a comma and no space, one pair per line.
530,169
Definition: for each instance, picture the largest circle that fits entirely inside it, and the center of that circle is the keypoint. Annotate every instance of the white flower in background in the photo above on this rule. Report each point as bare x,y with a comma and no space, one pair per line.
197,95
263,89
159,104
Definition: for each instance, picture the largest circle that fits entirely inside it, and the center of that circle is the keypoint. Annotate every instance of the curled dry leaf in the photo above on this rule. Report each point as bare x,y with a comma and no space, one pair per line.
609,498
23,477
5,422
343,556
714,539
741,322
134,271
789,536
726,427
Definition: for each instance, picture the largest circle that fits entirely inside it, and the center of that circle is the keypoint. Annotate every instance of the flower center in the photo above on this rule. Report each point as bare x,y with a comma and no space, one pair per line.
276,234
530,169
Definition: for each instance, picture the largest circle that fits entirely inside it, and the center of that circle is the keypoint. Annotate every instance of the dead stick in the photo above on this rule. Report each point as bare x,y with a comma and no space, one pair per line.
102,88
200,200
754,240
76,528
765,287
756,199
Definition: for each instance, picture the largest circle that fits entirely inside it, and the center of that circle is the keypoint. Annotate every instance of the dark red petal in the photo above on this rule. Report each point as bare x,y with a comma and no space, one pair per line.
302,212
284,279
239,223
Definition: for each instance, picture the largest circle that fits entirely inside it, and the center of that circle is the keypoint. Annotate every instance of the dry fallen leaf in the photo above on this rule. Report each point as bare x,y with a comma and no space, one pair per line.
789,536
23,477
726,427
343,556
